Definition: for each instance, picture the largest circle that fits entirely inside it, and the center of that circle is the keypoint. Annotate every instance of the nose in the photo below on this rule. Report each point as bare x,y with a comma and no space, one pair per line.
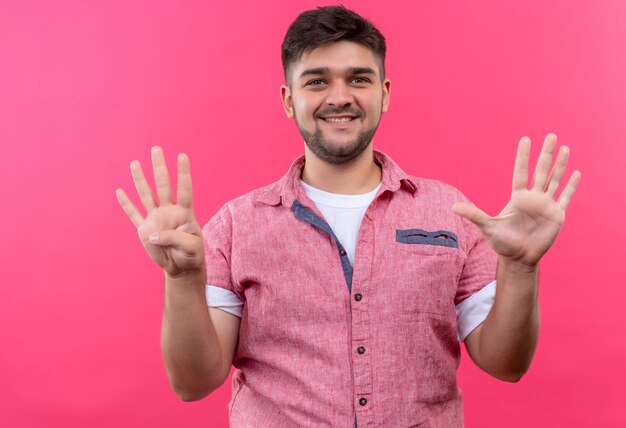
339,95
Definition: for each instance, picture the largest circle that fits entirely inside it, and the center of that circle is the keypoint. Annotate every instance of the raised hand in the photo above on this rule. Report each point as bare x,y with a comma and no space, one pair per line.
529,224
169,231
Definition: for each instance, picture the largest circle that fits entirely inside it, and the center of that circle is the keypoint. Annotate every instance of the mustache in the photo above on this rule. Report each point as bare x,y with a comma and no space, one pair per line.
339,111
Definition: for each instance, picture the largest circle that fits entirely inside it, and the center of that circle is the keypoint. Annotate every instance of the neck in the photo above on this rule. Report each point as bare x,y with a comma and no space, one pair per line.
356,177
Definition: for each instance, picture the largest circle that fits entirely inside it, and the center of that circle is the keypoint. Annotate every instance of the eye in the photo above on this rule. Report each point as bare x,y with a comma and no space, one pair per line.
315,82
360,80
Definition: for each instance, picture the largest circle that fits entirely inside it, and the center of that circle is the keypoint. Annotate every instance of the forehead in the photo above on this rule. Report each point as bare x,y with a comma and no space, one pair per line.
337,57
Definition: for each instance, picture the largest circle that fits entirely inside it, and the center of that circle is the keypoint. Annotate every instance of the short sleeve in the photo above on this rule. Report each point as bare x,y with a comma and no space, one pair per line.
480,264
473,311
217,297
217,238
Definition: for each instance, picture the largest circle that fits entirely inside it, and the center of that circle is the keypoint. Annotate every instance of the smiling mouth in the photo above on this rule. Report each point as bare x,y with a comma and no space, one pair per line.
343,119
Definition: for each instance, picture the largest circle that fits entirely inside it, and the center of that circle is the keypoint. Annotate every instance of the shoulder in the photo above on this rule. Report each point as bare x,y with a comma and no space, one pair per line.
437,191
248,204
268,195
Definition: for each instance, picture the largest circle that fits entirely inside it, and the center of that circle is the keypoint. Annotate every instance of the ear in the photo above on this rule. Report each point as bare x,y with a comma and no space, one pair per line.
386,94
285,97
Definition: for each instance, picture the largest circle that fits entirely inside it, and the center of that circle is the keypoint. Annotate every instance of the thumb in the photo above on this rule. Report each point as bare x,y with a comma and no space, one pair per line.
471,212
183,241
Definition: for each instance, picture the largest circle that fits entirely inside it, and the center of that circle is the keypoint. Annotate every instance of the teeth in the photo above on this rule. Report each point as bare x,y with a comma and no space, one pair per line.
338,119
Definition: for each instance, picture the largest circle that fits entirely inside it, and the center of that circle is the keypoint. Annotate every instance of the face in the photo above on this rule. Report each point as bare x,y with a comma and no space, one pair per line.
337,97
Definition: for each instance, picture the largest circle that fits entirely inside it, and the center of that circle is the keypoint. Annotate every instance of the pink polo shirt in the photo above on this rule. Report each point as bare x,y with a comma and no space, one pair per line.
325,343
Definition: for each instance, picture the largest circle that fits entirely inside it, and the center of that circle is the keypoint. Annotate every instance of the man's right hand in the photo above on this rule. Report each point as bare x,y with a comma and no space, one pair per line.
169,232
198,344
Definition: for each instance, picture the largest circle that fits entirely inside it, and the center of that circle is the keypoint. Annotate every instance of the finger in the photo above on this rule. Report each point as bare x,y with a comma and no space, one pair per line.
570,188
558,170
161,176
142,186
520,170
542,169
472,213
129,208
184,196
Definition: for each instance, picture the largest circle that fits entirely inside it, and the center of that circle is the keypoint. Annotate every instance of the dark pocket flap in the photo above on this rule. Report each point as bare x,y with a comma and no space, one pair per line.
442,238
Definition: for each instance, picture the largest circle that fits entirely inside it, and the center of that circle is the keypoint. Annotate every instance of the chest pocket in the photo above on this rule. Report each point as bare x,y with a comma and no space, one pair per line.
428,267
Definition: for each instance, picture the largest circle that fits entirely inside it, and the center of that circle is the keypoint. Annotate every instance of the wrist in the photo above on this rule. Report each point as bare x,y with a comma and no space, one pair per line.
195,277
517,267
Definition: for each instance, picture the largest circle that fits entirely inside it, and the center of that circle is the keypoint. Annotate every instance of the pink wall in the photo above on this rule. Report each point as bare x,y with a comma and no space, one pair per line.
86,87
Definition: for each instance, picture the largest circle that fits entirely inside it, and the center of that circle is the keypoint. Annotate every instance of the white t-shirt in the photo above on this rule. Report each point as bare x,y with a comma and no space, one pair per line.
344,213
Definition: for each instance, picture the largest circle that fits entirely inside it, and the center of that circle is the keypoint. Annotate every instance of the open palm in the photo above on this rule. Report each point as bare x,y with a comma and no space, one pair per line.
169,232
530,222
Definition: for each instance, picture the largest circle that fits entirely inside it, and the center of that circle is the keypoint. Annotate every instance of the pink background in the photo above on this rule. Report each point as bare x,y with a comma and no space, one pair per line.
86,87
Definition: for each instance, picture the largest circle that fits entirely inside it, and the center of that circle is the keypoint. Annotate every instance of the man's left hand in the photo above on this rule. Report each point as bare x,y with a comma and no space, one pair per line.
529,224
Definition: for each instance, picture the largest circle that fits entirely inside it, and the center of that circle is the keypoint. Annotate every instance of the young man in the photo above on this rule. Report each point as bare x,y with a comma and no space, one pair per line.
340,292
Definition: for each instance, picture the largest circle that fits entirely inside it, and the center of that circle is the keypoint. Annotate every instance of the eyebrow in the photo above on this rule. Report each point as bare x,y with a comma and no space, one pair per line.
325,70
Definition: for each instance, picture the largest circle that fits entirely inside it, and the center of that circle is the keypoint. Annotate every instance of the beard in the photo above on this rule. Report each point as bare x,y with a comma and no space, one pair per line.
330,153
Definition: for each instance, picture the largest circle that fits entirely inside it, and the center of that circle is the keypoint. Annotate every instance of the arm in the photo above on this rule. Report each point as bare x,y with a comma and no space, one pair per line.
504,344
197,343
521,234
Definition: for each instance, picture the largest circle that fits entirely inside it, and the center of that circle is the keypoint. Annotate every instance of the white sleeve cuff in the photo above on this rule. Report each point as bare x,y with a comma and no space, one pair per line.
471,312
218,297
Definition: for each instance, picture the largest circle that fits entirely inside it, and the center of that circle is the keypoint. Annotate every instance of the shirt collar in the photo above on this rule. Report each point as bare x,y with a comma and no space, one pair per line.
288,188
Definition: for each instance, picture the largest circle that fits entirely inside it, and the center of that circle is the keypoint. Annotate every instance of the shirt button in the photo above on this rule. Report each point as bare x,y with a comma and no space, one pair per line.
361,350
342,251
358,297
362,401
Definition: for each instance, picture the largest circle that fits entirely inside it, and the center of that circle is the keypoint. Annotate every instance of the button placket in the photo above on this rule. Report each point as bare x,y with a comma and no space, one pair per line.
361,329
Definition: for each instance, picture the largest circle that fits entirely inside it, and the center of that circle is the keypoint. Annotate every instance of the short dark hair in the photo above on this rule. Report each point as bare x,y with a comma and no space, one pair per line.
330,24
